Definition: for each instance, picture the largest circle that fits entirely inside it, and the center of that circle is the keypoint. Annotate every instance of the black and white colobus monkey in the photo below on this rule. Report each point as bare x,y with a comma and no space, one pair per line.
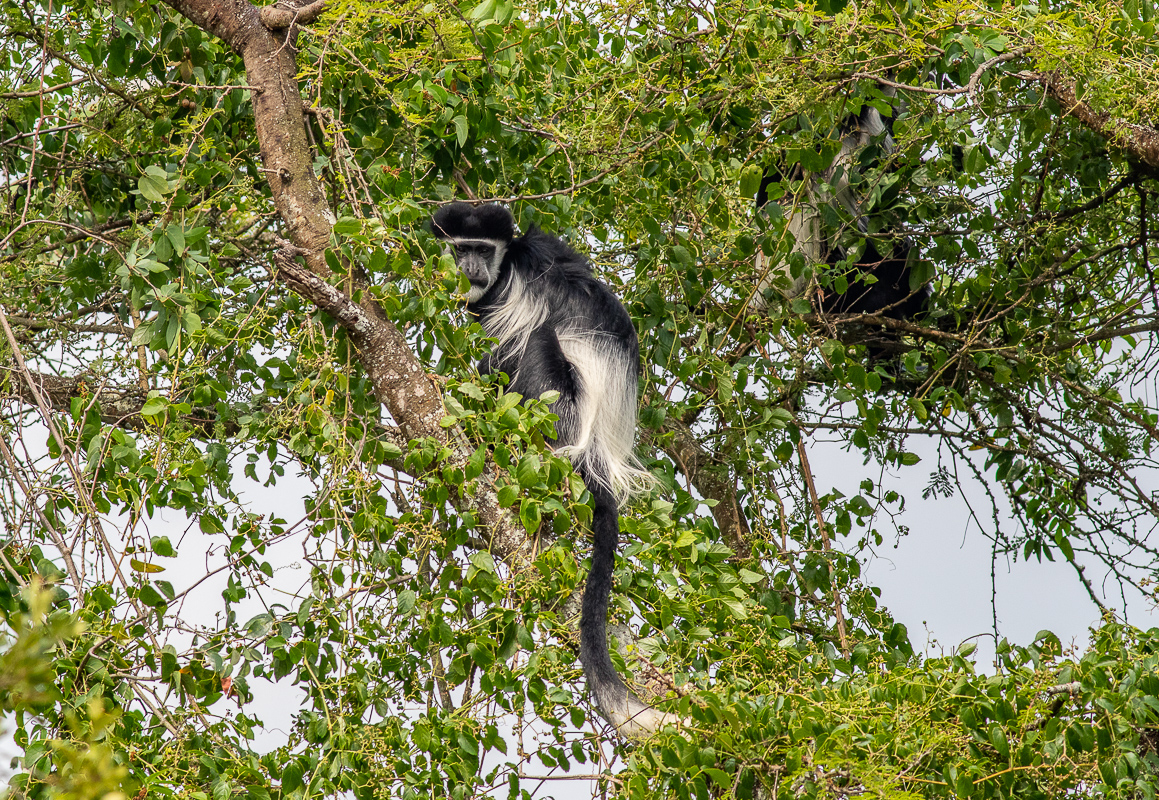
890,293
560,329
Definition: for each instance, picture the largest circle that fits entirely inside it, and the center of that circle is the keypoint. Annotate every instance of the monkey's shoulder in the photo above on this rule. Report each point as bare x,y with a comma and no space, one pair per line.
564,278
541,254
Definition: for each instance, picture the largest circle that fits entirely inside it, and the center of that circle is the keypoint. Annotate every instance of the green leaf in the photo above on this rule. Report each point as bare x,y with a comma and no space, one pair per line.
259,625
176,236
150,596
719,777
390,451
529,515
736,607
528,470
467,744
482,560
461,129
507,495
154,406
347,226
484,10
141,566
507,401
750,180
154,184
455,407
141,335
998,739
291,776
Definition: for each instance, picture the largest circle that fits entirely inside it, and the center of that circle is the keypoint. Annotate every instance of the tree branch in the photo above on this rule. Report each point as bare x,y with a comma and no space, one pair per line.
48,325
400,381
696,464
279,17
1136,140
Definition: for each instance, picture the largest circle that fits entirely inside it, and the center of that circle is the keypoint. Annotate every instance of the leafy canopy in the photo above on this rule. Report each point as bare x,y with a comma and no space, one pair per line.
181,426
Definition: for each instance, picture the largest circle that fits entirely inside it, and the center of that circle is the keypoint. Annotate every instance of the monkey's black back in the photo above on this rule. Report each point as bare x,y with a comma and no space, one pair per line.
889,294
563,279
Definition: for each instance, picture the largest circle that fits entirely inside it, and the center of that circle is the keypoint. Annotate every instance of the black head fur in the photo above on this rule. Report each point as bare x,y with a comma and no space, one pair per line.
465,221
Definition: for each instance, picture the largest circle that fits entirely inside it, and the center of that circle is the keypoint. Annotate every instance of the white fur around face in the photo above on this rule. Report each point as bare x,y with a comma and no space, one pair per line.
476,291
516,319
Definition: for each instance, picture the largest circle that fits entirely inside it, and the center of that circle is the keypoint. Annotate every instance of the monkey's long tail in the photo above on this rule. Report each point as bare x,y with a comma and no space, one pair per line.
629,714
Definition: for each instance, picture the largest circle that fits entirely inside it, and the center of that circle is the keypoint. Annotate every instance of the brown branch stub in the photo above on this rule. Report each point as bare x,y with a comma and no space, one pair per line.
712,481
51,325
1060,692
281,16
1138,141
330,299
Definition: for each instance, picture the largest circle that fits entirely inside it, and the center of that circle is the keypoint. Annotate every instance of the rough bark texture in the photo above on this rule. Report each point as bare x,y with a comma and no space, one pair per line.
399,380
1137,141
119,405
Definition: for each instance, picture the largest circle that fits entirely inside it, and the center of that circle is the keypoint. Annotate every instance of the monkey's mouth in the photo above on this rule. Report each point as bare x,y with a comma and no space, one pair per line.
478,277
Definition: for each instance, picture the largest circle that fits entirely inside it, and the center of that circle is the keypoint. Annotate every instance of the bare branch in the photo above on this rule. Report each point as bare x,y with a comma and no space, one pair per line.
280,17
38,92
48,325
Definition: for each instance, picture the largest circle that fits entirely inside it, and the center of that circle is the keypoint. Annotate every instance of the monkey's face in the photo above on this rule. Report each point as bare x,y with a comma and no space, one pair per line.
479,260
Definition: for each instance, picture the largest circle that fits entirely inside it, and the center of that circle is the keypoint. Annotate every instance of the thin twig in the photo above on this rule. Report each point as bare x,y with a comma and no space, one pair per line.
57,537
38,92
807,471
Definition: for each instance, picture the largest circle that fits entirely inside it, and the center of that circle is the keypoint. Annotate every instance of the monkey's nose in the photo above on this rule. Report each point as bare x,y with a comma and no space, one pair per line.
476,273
